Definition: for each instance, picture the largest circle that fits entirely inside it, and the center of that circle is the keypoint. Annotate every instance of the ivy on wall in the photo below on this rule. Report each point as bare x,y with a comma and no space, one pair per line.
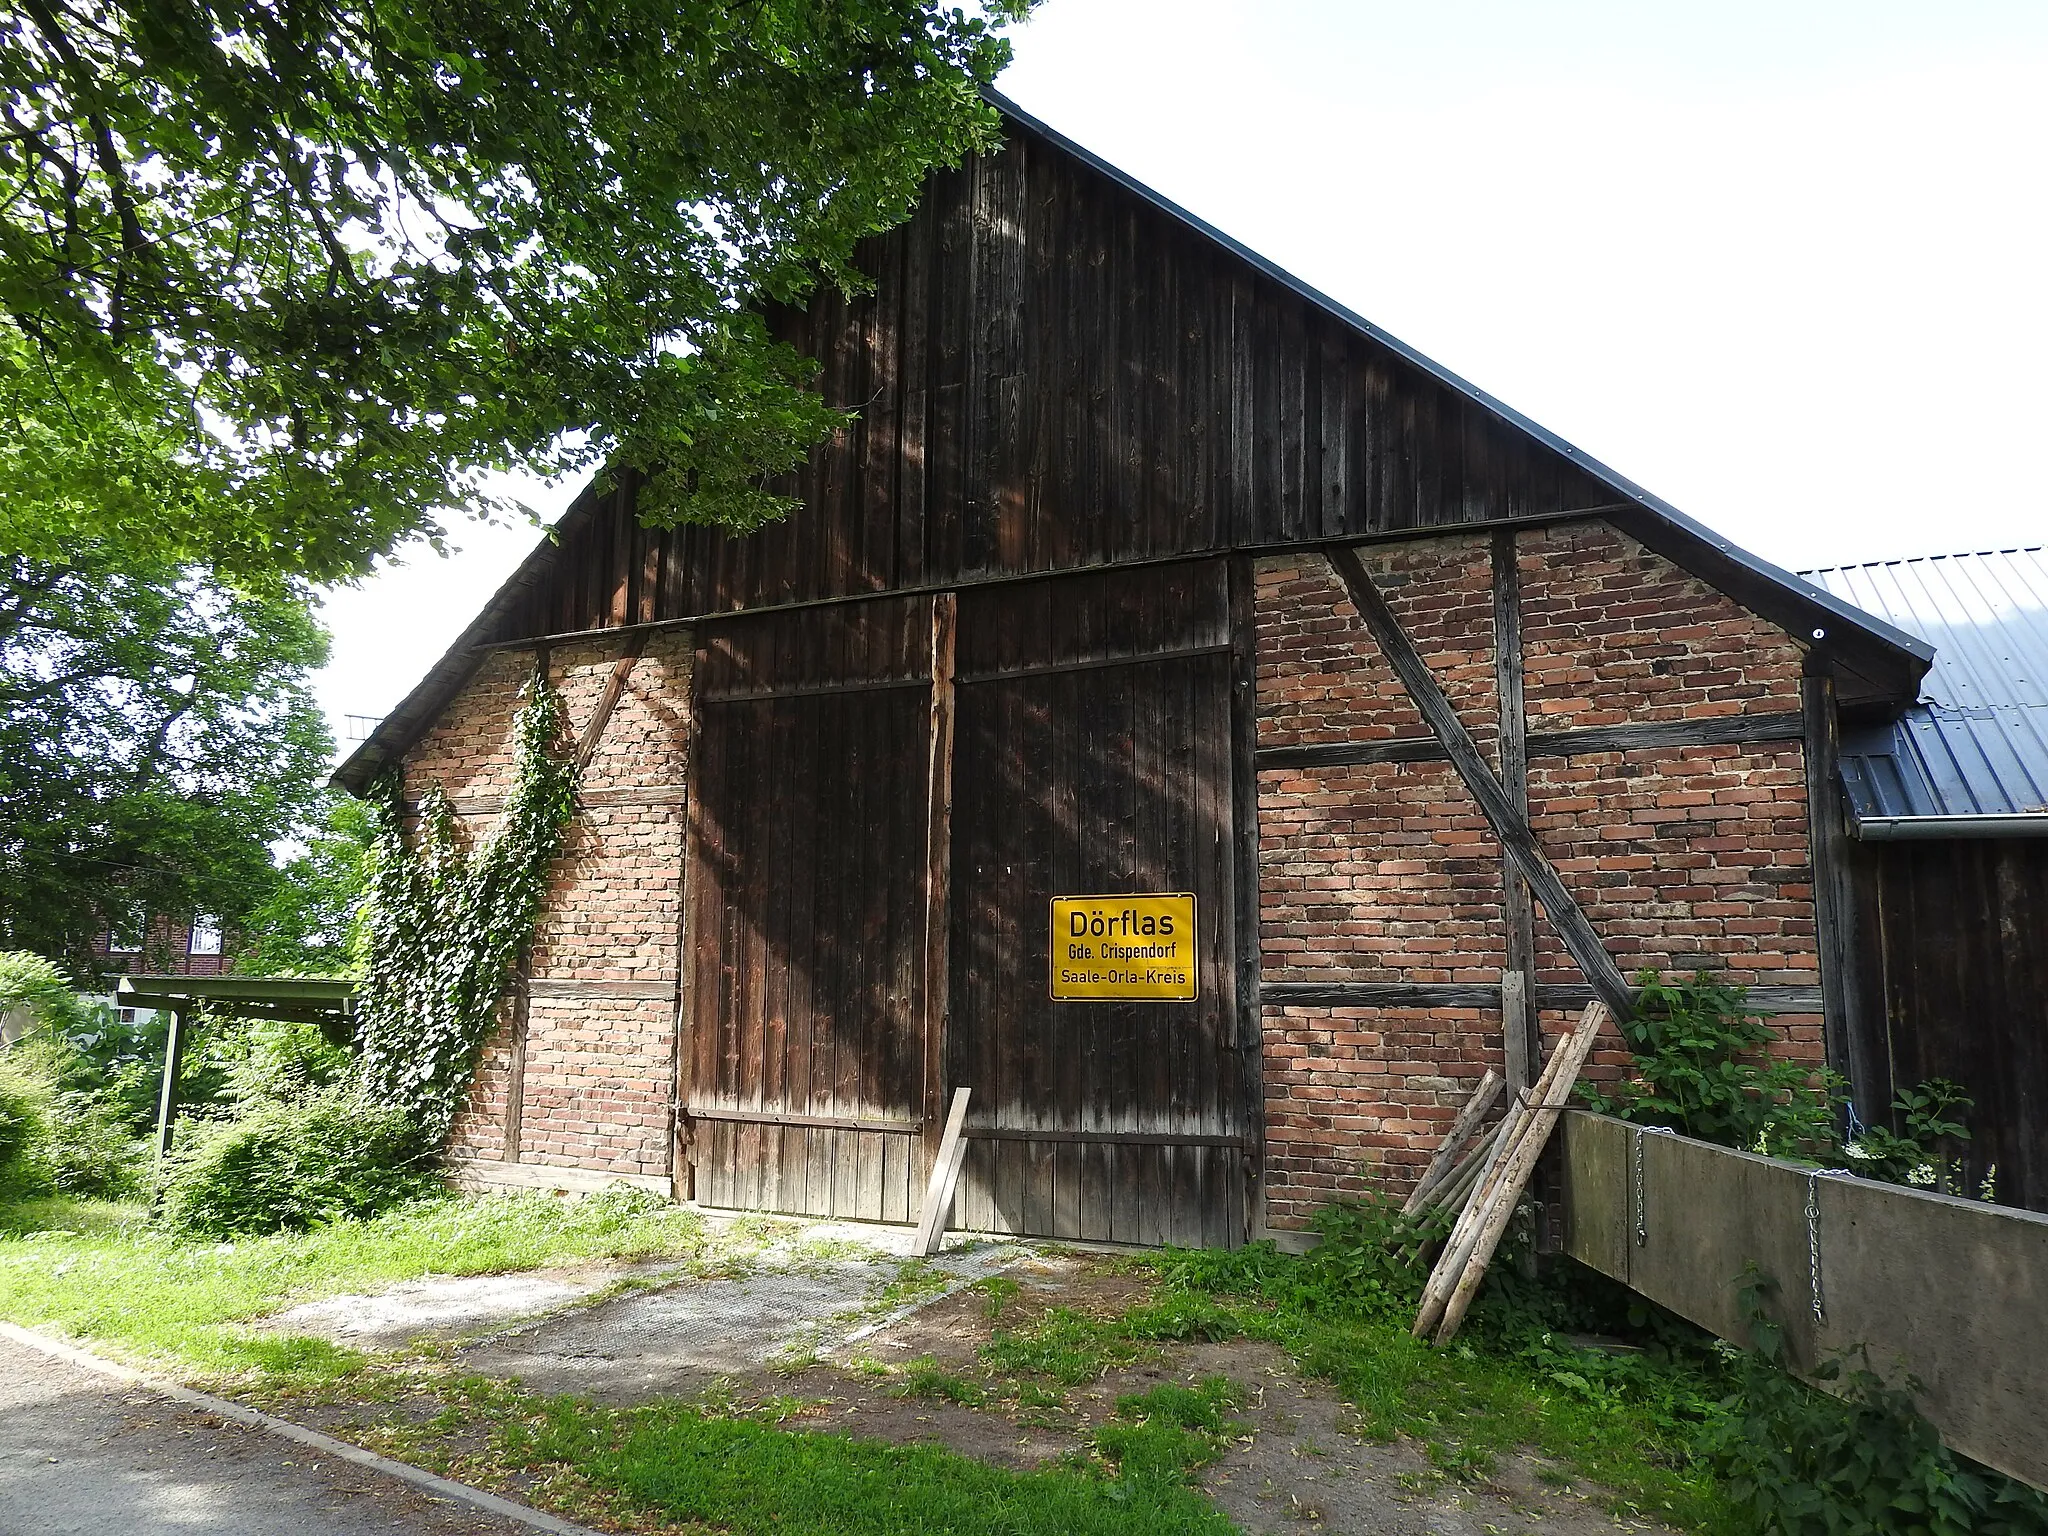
448,921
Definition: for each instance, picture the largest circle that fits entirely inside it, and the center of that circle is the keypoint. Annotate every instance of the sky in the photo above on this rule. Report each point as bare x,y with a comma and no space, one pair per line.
1783,264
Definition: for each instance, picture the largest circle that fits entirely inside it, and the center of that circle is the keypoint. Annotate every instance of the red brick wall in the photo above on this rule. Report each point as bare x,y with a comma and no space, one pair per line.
599,1074
1386,872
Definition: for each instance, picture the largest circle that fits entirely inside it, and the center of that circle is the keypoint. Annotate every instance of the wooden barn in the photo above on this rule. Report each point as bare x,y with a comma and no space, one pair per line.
1145,575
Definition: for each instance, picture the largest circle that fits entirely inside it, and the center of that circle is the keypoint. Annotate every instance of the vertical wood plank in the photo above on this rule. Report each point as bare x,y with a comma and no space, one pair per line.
689,991
938,868
1850,1046
515,1067
1244,887
1522,1040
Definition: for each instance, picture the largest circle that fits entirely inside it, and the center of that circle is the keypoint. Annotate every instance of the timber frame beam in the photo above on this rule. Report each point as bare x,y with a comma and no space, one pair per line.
1521,1039
1509,824
938,870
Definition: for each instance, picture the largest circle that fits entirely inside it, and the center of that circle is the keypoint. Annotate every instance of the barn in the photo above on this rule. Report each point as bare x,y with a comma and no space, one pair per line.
1144,575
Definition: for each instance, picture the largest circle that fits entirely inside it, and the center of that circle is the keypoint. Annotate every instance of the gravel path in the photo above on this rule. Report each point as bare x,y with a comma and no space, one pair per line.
82,1453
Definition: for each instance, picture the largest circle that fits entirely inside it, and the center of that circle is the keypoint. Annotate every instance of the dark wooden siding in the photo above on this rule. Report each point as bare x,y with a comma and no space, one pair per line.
1093,755
806,887
1050,374
1955,947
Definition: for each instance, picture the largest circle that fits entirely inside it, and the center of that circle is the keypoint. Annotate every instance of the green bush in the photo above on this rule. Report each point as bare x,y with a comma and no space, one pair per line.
32,986
24,1129
90,1152
291,1166
1855,1459
1703,1068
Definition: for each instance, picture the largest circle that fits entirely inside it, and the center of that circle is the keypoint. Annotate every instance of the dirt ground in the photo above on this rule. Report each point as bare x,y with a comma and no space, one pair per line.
834,1339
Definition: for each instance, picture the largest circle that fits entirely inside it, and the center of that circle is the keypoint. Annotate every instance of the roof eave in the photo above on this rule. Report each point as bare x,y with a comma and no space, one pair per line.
398,731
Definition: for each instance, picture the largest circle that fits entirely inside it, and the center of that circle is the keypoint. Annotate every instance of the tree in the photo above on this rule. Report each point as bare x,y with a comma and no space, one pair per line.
309,924
298,272
156,736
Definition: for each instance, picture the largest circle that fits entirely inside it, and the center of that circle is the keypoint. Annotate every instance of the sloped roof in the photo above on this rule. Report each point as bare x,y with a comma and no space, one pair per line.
1975,743
1802,606
1875,664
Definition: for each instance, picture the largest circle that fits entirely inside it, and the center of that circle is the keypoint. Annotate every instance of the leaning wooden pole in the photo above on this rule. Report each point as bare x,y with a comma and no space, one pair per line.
1516,1169
1446,1157
1450,1263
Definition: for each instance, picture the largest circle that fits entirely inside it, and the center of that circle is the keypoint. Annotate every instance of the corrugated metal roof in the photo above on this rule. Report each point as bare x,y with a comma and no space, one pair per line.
1976,743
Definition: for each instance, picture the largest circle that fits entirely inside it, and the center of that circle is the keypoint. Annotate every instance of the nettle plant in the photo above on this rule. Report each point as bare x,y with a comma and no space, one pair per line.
448,921
1703,1067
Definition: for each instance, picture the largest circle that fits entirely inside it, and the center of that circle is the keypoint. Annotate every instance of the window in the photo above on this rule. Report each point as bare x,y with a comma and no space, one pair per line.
205,937
125,940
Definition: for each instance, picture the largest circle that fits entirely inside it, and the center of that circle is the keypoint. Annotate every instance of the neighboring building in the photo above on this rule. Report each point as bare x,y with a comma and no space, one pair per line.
168,946
1144,569
1949,812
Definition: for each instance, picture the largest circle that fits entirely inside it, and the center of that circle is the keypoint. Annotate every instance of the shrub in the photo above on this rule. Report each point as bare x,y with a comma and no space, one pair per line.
90,1152
1703,1068
1856,1459
289,1167
24,1128
36,993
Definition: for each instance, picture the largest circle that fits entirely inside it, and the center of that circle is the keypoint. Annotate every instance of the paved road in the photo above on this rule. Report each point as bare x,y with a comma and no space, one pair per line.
82,1453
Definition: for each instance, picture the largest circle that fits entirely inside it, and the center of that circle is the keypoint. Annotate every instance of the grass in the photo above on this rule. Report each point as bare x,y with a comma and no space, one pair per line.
726,1463
97,1272
1629,1422
922,1377
1169,1431
739,1476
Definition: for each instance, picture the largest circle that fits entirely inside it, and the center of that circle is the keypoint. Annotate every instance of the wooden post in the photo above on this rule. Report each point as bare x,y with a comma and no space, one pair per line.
1512,828
1520,1038
1461,1128
167,1099
1244,821
1470,1245
608,701
1514,1175
1521,1057
682,1166
1845,1028
938,867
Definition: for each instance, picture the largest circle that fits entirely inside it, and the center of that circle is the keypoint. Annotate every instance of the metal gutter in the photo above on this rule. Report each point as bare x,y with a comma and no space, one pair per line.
1902,829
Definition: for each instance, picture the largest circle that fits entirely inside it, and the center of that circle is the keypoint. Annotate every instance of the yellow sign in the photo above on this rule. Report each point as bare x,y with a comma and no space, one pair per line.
1123,948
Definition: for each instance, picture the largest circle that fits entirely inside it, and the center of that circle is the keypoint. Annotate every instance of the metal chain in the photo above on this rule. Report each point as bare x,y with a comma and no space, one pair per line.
1638,1207
1813,1178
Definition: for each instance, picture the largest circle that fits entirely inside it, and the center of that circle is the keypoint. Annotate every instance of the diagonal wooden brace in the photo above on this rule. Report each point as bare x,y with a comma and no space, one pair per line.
608,701
1508,824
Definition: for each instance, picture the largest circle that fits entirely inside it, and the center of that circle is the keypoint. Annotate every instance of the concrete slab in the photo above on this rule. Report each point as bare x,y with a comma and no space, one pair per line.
679,1337
435,1308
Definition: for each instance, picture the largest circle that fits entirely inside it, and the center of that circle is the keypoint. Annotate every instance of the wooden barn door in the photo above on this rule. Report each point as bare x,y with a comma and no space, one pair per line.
804,930
1092,755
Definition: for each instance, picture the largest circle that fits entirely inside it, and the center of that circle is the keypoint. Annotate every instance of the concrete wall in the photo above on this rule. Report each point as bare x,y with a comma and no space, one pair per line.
1953,1292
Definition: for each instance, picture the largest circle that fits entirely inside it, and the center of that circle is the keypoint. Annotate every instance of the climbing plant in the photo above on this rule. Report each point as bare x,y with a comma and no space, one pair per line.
447,922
